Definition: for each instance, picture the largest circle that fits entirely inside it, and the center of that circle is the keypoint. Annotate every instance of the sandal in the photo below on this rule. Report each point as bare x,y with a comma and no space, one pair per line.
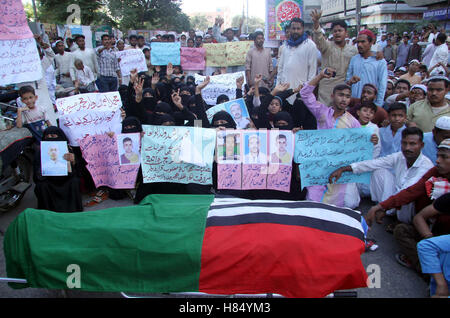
390,227
403,260
98,198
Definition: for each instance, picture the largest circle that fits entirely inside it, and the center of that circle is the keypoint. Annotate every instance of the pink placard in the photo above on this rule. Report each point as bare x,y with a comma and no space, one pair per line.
107,162
229,176
254,177
193,59
279,178
13,21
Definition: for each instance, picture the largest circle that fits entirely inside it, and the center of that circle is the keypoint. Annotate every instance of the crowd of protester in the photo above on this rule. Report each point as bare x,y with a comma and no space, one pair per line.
396,84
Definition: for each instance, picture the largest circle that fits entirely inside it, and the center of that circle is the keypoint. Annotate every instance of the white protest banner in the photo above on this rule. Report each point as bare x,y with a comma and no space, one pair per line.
131,59
19,61
89,114
19,57
224,84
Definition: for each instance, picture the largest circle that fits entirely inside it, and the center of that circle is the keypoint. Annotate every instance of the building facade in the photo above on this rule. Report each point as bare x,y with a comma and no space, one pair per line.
375,14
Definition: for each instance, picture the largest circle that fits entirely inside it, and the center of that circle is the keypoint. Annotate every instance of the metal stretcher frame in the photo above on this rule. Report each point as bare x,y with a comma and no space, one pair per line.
336,294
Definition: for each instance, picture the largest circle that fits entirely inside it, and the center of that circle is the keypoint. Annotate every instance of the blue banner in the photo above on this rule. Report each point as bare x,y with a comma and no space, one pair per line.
320,152
163,53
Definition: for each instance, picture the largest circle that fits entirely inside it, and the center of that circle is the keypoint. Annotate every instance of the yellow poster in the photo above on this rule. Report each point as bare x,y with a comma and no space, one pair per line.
215,54
227,54
237,52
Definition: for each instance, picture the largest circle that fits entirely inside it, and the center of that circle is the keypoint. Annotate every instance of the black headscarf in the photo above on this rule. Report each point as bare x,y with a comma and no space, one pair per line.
163,108
223,115
148,103
285,116
131,121
185,99
55,131
222,99
163,119
163,92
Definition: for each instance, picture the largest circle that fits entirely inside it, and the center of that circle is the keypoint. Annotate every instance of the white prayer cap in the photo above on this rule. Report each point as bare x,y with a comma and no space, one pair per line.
259,30
443,123
445,144
421,86
441,77
402,69
414,61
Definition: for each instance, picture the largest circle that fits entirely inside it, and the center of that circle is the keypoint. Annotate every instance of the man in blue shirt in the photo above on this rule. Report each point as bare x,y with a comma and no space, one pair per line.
432,139
434,252
364,68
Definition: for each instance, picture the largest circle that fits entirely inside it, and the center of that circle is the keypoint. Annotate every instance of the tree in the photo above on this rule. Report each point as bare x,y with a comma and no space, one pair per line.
28,8
55,11
140,14
253,23
199,22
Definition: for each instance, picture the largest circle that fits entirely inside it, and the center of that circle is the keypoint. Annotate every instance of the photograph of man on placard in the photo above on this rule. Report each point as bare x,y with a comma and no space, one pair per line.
281,145
255,148
52,161
240,114
129,149
229,147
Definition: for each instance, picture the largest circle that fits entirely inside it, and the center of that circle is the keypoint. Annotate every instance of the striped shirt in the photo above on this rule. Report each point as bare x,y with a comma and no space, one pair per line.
107,62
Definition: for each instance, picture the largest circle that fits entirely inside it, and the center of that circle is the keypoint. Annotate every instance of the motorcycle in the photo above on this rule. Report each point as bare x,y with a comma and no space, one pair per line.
16,155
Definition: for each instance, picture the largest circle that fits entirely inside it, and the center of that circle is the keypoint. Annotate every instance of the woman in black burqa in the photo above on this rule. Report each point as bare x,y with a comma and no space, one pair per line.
62,193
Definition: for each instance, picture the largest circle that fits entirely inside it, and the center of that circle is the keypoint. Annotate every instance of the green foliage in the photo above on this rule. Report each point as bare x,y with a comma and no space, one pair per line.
148,14
55,11
253,23
199,22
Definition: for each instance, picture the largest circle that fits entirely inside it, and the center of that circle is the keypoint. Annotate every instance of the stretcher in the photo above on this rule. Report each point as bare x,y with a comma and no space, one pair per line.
337,294
192,246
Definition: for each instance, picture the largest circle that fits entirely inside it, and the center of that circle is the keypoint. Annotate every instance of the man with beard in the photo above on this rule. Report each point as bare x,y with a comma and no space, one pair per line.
255,154
241,121
87,55
298,59
364,68
335,54
62,62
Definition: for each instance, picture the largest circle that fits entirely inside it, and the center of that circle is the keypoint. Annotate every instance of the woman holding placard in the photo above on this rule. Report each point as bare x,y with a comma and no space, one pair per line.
58,193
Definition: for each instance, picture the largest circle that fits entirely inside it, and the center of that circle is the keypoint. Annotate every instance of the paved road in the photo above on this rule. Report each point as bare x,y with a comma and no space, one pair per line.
394,280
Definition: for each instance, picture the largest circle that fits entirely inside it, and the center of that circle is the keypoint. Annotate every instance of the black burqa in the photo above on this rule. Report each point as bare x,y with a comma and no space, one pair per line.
58,194
295,193
145,189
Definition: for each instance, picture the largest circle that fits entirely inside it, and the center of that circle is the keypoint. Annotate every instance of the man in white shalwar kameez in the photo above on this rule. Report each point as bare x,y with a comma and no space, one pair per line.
298,59
395,172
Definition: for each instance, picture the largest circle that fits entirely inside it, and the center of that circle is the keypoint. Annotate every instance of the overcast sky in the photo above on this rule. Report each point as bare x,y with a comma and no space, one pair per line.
255,7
